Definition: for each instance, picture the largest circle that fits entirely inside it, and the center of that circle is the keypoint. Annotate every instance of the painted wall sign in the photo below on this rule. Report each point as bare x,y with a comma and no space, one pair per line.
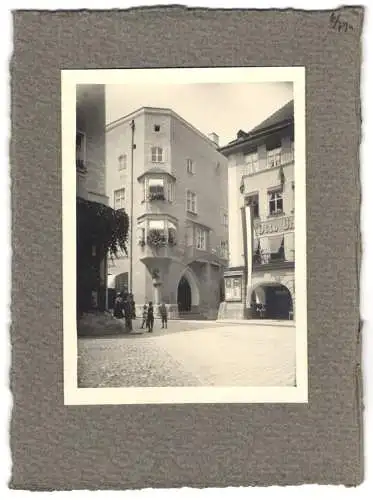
275,226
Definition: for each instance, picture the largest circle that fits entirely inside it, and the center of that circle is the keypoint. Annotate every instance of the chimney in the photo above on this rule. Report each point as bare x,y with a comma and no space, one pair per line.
214,138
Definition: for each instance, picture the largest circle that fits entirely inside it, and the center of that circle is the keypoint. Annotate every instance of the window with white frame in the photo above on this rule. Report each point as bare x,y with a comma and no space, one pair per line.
170,191
224,249
201,238
156,189
157,154
80,150
190,166
233,289
275,200
274,157
122,162
251,163
191,202
119,198
141,233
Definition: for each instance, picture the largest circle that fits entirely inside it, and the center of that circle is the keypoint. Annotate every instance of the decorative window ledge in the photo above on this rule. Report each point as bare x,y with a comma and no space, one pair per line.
156,197
276,214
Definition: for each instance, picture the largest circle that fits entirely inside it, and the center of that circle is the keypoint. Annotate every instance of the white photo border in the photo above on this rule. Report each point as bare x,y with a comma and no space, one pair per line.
73,395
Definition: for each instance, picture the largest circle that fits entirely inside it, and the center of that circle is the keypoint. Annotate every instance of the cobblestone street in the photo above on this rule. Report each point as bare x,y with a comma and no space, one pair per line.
190,354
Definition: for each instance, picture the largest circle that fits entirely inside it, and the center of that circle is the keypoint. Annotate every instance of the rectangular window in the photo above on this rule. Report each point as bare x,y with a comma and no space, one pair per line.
253,201
233,289
224,251
80,150
170,192
191,202
122,162
157,128
224,218
190,166
201,238
141,234
156,189
275,202
251,163
157,154
157,234
157,224
119,198
276,246
274,157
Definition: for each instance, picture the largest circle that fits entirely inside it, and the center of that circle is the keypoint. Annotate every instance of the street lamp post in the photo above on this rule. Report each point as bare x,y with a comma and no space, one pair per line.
131,208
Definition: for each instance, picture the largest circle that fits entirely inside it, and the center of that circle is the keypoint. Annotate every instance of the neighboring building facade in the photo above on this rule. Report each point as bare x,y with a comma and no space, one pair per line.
179,206
260,278
90,185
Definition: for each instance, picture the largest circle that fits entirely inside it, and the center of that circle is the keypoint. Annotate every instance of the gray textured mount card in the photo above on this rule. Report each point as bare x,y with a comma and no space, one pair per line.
70,430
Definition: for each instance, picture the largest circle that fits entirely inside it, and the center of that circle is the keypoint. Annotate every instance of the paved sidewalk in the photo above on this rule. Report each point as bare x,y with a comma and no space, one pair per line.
191,354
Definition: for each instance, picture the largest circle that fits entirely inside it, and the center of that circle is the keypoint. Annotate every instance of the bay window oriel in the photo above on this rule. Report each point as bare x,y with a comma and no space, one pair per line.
156,231
158,188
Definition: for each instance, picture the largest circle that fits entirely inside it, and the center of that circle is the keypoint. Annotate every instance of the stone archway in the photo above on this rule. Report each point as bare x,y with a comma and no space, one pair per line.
271,300
184,295
188,296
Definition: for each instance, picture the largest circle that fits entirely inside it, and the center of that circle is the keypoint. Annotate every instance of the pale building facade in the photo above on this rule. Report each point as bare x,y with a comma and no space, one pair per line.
178,204
260,279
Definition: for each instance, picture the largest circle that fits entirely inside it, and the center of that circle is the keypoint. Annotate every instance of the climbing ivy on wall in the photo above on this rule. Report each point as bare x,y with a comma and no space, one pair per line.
102,226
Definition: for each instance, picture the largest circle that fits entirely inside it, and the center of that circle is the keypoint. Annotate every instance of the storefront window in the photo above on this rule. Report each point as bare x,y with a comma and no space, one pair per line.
233,289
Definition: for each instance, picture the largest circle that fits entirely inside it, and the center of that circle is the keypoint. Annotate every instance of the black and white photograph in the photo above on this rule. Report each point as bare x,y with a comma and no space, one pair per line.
184,235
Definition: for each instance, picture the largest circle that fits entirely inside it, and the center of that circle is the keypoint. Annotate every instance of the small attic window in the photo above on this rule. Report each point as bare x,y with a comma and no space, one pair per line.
157,128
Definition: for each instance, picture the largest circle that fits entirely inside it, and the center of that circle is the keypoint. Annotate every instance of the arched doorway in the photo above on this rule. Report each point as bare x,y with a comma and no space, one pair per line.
184,295
271,301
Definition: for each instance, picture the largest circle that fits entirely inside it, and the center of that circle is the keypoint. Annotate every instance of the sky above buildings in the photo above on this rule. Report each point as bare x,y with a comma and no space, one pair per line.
210,107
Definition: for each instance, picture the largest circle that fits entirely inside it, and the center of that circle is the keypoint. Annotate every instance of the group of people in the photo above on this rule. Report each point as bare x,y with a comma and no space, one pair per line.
148,316
125,307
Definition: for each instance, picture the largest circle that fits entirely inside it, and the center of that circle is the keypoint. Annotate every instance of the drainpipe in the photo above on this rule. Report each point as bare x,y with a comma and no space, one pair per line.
131,209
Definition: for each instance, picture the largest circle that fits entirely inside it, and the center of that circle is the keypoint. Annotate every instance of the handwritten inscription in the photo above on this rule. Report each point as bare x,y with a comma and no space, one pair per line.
338,24
276,226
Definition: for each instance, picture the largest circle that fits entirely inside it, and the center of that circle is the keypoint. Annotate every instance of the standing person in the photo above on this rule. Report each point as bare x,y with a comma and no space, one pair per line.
150,317
128,314
133,304
144,316
163,314
118,307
